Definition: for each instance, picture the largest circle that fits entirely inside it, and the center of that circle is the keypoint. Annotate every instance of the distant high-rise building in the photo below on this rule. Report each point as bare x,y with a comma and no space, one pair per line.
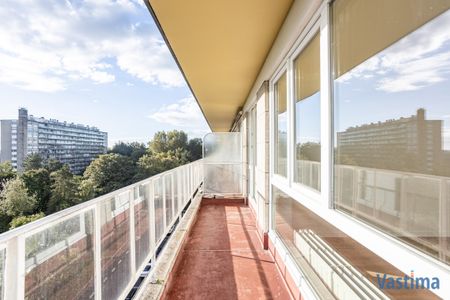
372,145
72,144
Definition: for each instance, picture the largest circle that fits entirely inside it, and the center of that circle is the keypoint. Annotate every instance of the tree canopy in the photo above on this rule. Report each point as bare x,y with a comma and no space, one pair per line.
47,186
133,150
110,172
15,199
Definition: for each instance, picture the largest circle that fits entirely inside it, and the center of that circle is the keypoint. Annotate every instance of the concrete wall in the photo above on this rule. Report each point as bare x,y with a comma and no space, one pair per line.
262,157
22,138
5,140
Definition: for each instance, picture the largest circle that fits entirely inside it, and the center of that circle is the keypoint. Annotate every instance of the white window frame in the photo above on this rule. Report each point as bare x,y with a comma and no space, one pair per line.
279,73
400,254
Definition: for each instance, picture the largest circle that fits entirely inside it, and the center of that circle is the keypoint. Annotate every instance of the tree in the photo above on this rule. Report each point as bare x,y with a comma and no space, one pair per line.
87,190
195,149
53,165
15,199
308,151
32,162
177,140
152,164
159,142
38,184
64,190
7,172
164,142
133,150
110,172
22,220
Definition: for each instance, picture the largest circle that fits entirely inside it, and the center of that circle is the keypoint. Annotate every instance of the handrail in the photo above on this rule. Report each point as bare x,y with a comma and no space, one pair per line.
96,249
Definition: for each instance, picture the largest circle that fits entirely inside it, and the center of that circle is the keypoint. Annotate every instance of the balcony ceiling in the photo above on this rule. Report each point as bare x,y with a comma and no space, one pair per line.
220,45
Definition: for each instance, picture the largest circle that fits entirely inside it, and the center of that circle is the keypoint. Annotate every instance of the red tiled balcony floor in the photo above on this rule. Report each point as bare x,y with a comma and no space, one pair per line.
223,258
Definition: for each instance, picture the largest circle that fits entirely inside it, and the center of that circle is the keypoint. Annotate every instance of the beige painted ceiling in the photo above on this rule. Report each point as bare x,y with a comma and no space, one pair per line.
220,46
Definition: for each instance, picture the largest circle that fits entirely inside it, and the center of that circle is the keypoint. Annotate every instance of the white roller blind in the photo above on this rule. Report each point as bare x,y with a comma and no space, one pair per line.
362,28
307,70
281,94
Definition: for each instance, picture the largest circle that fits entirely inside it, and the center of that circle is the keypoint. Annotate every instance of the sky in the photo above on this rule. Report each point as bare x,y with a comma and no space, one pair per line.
101,63
412,73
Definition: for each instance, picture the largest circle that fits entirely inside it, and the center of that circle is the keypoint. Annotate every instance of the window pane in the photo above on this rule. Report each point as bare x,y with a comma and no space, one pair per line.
281,126
376,25
392,118
307,115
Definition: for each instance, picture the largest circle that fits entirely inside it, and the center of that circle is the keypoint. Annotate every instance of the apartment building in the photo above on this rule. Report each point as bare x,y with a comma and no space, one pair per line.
73,144
371,145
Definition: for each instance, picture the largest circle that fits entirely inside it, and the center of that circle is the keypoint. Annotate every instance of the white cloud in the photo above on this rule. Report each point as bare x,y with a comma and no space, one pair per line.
416,61
46,45
184,114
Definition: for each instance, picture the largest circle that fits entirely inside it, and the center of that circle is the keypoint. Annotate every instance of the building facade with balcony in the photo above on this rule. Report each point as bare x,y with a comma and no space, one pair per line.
73,144
297,196
345,174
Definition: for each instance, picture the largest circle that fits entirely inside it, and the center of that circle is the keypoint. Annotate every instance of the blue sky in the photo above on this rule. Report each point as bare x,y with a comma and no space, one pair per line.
412,73
95,62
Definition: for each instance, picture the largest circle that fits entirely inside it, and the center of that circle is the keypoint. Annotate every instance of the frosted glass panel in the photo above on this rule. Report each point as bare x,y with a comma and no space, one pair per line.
115,237
59,261
223,147
141,223
176,190
159,212
223,179
222,163
168,198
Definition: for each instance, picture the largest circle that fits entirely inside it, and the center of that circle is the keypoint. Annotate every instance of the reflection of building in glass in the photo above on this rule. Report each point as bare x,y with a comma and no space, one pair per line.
73,144
411,144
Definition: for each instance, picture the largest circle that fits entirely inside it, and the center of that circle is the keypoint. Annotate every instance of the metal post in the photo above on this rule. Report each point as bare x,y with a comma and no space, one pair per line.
97,252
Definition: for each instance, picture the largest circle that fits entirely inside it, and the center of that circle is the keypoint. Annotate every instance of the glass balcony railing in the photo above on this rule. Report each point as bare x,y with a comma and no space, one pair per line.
97,249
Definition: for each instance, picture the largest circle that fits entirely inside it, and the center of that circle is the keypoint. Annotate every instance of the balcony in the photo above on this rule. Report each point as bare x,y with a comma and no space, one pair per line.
188,233
98,249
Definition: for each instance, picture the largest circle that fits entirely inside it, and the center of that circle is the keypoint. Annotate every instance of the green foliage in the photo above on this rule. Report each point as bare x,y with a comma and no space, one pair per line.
22,220
87,189
6,172
64,190
309,151
49,186
38,184
4,222
133,150
110,172
195,149
33,162
172,140
15,199
167,151
152,164
53,165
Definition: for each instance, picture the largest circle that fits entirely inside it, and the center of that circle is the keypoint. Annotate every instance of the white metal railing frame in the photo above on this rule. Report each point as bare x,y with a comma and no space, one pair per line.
188,179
